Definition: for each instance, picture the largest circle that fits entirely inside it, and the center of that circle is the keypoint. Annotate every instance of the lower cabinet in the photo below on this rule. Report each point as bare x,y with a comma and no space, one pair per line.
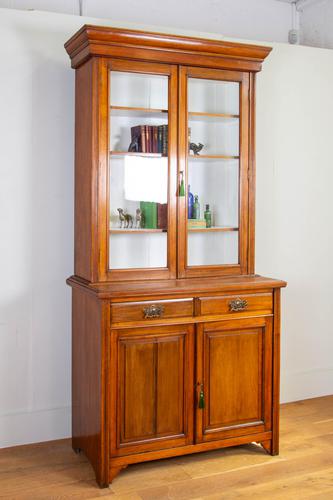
234,378
180,385
152,386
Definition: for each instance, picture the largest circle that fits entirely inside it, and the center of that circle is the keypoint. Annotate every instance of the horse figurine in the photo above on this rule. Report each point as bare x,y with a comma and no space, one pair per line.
125,219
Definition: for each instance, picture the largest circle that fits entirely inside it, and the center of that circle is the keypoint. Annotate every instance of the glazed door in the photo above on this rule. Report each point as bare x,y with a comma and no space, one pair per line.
152,389
214,160
142,178
234,378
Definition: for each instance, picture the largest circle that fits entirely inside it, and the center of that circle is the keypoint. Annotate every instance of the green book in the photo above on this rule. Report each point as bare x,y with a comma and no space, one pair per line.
149,214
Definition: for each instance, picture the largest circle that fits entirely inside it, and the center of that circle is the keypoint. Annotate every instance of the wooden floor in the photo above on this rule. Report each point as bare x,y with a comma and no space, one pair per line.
304,468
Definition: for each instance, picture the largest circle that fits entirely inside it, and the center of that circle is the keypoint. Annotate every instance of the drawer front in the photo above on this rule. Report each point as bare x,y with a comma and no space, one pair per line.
147,311
233,304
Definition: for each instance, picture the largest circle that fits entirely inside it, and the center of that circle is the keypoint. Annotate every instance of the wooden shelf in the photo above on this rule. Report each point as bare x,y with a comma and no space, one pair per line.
115,230
127,153
212,157
194,115
140,110
212,229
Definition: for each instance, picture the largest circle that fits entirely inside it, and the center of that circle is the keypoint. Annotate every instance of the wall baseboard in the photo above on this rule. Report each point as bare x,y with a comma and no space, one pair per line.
314,383
35,426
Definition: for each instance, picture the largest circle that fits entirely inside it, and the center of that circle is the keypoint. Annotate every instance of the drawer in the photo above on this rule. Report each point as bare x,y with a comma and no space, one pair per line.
145,311
233,304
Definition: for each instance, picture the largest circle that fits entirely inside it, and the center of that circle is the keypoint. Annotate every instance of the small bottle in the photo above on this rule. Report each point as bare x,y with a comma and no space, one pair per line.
196,208
182,186
190,202
208,216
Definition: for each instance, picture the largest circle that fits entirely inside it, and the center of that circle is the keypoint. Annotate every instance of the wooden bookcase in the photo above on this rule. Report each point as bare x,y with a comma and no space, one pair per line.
175,338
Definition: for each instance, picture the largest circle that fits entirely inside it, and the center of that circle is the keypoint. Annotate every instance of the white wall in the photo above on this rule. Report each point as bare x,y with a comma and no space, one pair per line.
294,238
256,19
294,230
316,24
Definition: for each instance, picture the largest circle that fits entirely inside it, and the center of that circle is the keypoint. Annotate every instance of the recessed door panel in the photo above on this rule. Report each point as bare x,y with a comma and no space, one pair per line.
154,388
235,374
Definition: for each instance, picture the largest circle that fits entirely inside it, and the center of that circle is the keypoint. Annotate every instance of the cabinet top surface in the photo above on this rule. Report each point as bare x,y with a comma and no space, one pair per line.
181,287
106,41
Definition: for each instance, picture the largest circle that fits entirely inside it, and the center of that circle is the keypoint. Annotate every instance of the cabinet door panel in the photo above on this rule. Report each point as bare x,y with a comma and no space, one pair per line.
154,389
170,388
235,368
237,356
137,390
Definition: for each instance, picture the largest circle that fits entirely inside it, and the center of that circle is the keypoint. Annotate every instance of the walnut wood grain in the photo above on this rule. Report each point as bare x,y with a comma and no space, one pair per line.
89,381
154,390
235,367
84,145
135,311
261,302
118,291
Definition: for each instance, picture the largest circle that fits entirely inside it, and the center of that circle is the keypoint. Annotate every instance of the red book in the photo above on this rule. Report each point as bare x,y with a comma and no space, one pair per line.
162,216
138,131
151,139
155,139
143,139
147,142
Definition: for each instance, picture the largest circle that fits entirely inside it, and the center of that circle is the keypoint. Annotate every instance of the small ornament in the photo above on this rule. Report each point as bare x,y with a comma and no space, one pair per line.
125,219
196,148
134,146
138,218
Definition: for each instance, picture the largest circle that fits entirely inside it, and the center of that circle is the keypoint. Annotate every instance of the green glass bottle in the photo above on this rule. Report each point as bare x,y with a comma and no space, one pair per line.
182,185
208,216
196,208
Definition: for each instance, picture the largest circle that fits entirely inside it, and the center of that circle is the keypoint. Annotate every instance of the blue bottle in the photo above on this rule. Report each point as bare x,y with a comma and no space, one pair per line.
190,201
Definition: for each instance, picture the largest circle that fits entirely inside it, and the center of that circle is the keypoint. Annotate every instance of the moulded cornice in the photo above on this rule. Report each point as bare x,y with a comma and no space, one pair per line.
100,41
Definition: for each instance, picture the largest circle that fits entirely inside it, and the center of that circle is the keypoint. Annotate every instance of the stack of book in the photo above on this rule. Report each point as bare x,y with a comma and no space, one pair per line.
154,215
151,138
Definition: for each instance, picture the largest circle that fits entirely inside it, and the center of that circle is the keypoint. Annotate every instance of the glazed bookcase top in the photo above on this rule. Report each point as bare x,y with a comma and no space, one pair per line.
129,85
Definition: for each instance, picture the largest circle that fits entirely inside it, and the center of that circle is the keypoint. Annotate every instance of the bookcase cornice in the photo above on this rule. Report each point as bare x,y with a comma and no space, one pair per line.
100,41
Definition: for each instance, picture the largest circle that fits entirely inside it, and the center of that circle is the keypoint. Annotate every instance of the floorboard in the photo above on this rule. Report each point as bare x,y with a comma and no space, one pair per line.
304,468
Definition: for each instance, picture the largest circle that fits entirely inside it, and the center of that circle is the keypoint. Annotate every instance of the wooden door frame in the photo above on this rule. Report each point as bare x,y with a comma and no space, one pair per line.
245,147
153,444
100,223
265,323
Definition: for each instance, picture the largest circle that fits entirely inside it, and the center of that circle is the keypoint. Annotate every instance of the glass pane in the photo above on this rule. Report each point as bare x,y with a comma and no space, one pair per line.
213,172
138,171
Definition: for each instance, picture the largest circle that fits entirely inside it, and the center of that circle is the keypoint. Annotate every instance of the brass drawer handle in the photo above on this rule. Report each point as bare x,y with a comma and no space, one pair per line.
238,304
153,311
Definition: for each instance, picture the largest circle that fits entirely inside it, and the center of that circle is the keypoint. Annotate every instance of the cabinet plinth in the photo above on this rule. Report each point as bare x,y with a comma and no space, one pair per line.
175,339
